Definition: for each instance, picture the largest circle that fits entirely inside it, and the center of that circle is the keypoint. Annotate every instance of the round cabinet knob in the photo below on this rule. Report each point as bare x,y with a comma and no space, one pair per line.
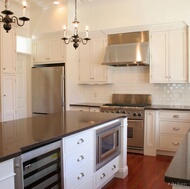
135,114
103,175
139,114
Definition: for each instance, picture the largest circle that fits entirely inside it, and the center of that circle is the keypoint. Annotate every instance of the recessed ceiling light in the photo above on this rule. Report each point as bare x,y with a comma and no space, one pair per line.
56,2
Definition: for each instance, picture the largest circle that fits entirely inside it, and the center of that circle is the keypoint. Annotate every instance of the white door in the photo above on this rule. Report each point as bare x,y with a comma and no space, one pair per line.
8,54
9,97
85,63
159,57
21,89
98,51
177,55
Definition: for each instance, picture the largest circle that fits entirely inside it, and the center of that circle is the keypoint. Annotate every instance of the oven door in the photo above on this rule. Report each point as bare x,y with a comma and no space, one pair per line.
135,136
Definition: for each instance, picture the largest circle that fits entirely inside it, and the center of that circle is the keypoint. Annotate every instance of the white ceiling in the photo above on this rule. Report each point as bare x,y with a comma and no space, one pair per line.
49,3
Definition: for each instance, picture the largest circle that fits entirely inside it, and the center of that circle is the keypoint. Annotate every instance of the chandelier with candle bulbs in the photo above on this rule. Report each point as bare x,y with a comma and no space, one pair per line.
8,20
75,39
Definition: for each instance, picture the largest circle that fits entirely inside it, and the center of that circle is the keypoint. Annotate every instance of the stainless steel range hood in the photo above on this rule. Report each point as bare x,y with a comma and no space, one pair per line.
127,49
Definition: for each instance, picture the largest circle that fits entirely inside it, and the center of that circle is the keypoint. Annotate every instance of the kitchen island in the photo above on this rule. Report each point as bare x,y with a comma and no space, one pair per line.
21,136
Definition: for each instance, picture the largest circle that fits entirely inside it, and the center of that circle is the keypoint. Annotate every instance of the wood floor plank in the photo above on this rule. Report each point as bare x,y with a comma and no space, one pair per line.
145,172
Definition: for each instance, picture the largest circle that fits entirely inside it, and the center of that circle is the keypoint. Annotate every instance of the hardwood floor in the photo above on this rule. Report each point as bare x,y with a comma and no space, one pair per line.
145,172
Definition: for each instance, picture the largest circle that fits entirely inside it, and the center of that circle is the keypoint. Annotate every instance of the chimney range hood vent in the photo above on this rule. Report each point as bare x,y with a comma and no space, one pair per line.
127,49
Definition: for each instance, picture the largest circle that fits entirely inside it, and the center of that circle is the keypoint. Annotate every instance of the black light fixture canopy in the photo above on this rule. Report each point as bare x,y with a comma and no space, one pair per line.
8,20
75,39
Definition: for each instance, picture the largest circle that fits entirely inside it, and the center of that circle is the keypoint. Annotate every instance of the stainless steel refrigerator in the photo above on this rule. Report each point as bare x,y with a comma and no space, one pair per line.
48,88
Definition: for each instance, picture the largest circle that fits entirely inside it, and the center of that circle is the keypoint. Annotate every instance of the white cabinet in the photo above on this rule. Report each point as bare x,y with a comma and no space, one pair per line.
169,61
78,156
106,173
8,97
8,51
8,71
90,58
150,147
7,174
85,108
49,51
173,126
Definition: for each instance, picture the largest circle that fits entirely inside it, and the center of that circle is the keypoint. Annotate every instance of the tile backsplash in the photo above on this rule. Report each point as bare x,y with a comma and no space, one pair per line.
135,80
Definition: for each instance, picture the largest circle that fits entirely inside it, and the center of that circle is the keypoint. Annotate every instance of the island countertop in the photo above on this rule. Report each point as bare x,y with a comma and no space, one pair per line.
178,173
22,135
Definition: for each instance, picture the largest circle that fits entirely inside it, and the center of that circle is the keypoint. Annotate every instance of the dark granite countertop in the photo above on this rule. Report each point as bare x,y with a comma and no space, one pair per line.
22,135
168,107
86,104
178,173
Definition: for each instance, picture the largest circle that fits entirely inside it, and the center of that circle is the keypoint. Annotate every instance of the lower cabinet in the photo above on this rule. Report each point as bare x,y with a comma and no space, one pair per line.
78,160
7,174
106,173
173,126
165,130
85,108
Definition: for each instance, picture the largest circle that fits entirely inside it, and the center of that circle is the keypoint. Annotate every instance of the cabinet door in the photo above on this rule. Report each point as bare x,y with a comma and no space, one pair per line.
85,63
40,50
99,72
9,97
158,65
150,132
56,50
49,50
177,56
8,50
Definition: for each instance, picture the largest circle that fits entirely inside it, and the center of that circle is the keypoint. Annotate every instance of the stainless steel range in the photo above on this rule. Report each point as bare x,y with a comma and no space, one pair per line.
133,106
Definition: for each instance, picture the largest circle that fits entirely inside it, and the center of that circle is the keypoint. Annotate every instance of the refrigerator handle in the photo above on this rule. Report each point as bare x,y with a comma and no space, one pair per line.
62,90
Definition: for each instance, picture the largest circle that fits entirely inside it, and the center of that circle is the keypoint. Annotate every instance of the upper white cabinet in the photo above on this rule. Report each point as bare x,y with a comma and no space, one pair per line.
49,50
169,61
90,58
8,51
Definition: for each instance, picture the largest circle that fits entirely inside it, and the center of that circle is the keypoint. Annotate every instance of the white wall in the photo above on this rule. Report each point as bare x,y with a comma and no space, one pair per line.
111,14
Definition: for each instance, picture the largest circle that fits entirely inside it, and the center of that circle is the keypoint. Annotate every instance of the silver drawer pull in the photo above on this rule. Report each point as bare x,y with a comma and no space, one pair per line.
80,141
113,167
80,158
103,175
175,143
176,128
175,116
80,176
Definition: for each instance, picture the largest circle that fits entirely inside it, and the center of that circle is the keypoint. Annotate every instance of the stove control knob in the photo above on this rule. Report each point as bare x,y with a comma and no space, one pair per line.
139,114
134,114
117,111
123,112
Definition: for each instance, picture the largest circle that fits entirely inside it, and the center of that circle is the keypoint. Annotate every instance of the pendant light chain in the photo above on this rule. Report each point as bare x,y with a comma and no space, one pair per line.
76,10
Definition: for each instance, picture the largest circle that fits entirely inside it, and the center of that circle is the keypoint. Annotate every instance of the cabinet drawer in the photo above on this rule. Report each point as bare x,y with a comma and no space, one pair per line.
78,141
8,183
175,115
89,183
170,142
103,174
79,176
75,160
7,167
171,127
